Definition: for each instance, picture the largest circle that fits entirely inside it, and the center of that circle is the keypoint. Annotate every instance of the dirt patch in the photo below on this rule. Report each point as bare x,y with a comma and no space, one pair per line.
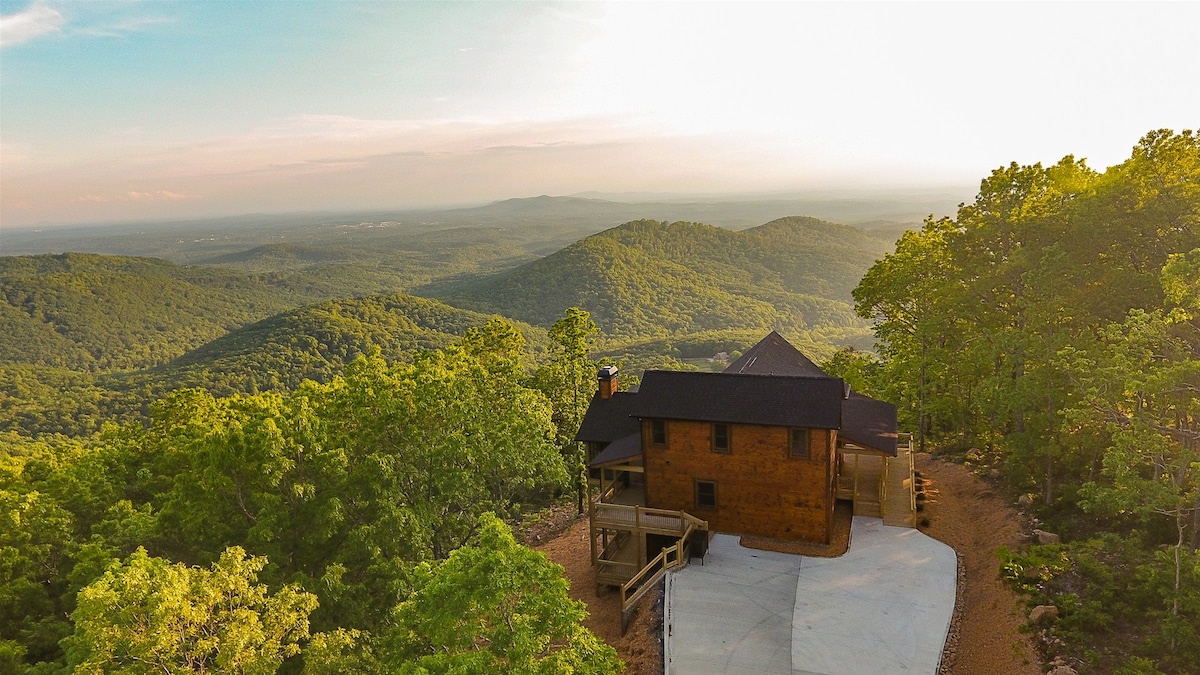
540,527
641,646
839,540
974,519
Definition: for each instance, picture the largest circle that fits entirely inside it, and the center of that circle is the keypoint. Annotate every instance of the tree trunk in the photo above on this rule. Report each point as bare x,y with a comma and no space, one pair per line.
1196,524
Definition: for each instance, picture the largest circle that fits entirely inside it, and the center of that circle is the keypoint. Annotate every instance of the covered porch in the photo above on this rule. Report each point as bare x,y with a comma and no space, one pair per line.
880,485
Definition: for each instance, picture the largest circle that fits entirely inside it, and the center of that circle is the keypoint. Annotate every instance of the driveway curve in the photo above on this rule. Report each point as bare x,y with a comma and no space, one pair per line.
883,607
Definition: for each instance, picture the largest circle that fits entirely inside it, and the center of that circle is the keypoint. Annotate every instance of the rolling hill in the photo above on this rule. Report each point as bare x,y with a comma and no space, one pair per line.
96,313
648,278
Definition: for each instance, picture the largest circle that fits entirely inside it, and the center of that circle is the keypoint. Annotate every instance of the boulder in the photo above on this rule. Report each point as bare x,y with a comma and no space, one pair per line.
1063,670
1024,501
1043,613
1044,537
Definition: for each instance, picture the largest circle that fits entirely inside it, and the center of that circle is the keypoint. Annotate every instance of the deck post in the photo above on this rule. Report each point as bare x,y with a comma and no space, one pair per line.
592,524
640,535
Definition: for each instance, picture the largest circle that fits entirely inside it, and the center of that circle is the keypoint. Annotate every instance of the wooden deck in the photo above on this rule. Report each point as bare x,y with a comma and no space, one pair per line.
619,527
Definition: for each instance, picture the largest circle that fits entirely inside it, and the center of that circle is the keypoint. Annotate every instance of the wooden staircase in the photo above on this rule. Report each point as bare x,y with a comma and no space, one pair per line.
899,499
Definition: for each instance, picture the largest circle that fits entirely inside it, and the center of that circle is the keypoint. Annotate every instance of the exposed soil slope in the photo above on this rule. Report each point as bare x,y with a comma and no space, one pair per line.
641,646
971,517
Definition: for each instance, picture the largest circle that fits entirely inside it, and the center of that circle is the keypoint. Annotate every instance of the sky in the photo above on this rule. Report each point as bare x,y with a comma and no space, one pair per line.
128,110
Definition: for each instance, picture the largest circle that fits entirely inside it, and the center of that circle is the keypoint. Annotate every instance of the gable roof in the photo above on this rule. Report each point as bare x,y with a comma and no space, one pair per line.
608,419
740,399
774,355
869,422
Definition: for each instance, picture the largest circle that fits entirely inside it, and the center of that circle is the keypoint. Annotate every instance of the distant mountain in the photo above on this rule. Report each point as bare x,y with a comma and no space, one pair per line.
314,342
648,278
277,255
93,312
317,341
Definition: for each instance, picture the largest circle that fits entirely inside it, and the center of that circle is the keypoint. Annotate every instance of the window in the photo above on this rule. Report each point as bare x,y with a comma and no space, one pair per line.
720,438
658,432
706,494
799,444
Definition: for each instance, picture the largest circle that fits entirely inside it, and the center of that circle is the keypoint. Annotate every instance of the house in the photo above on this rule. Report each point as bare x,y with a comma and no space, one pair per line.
764,448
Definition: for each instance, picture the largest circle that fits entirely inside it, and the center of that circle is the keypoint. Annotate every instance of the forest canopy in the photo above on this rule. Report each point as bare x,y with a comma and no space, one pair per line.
1051,332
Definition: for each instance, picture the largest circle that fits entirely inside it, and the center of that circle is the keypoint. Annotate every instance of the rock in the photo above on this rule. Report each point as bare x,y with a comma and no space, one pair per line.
1063,670
994,474
1025,501
1045,537
1043,613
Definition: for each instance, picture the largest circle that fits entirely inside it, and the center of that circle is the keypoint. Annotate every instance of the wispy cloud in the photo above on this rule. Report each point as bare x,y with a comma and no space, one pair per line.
122,27
131,196
89,21
37,20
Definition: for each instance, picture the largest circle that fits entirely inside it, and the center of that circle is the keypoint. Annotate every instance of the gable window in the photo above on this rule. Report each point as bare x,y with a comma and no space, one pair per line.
798,444
658,432
706,494
720,438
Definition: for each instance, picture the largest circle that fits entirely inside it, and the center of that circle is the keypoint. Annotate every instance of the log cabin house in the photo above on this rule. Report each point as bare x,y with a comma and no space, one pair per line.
766,448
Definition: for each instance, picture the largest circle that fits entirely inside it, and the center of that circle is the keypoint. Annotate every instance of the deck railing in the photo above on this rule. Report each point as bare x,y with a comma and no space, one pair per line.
669,558
623,517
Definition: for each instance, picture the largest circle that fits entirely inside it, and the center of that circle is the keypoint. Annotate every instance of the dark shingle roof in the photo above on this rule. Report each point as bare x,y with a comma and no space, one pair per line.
608,419
869,422
619,450
775,356
742,399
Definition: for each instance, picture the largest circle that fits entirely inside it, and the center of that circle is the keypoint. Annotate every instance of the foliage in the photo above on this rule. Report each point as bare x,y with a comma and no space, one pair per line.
146,615
1052,327
343,486
495,606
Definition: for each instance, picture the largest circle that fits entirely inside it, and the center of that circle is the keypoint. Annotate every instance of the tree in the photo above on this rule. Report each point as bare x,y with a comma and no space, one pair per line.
567,381
494,606
147,615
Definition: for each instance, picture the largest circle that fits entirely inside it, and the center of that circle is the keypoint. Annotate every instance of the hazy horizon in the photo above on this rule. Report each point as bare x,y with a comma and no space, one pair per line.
143,111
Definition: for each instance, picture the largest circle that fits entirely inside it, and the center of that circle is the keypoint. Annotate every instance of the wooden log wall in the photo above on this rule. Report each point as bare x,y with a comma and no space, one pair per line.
760,489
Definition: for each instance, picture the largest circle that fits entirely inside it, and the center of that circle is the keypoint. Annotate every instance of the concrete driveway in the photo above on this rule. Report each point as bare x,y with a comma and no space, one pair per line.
883,607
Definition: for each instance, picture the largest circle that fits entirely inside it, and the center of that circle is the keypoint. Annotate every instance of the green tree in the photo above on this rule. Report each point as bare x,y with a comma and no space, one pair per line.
567,381
494,606
146,615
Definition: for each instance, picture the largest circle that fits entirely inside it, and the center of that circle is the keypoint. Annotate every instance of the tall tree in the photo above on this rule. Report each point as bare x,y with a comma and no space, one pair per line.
567,380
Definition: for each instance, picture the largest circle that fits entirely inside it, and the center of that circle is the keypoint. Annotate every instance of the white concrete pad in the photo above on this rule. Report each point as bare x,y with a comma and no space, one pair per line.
733,614
883,607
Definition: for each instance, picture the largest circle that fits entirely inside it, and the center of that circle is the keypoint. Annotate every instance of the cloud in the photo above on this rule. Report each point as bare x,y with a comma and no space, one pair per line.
123,27
159,196
131,196
37,20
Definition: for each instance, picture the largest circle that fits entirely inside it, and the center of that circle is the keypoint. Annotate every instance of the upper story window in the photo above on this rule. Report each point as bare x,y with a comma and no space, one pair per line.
658,432
798,444
720,438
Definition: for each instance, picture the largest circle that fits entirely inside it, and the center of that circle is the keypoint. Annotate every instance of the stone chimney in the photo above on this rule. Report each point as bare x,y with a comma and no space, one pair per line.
608,381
